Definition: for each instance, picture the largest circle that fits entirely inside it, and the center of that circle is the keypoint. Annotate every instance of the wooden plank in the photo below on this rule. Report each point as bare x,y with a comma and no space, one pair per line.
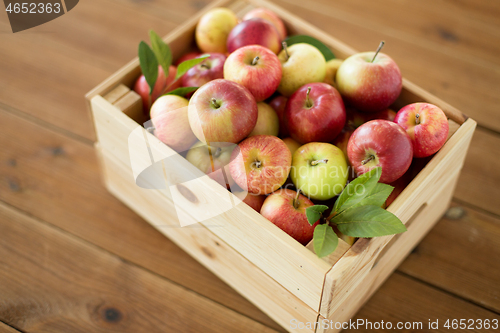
480,179
207,248
7,329
444,259
449,77
57,179
402,299
52,281
344,277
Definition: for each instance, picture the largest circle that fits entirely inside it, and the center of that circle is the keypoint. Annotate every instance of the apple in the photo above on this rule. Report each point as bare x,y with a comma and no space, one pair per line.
357,118
254,201
209,69
302,64
267,121
169,115
256,68
278,103
187,56
213,28
380,143
319,170
213,161
427,126
342,139
315,113
222,112
255,31
369,81
291,144
287,210
261,164
331,71
142,88
270,16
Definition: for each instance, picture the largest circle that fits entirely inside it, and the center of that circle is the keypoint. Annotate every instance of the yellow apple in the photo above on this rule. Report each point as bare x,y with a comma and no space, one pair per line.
213,28
267,121
331,70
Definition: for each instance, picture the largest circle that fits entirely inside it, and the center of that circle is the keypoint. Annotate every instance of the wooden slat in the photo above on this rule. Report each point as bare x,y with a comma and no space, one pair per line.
7,329
54,282
402,299
451,78
57,179
444,258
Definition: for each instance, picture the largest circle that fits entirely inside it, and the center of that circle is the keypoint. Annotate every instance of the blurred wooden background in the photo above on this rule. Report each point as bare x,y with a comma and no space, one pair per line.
75,259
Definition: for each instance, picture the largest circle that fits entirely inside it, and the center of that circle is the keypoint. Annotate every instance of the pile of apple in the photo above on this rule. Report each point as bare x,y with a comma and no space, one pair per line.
269,121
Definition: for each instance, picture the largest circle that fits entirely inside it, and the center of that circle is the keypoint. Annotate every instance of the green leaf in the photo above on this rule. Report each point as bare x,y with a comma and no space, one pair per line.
325,240
313,213
312,41
377,196
149,65
188,64
357,190
182,91
161,51
368,221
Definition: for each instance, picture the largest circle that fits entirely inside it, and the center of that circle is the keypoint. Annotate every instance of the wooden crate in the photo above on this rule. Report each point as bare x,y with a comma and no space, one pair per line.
283,278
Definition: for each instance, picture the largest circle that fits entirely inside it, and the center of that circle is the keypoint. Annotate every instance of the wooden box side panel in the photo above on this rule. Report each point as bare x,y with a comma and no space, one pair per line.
204,246
345,276
387,262
249,233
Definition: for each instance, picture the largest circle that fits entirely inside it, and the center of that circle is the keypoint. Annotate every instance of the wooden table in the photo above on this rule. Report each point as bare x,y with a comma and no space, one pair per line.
75,259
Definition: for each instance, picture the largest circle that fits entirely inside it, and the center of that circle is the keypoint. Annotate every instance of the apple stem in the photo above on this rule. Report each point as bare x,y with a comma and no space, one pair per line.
319,161
308,101
371,157
217,152
254,61
257,164
204,66
296,200
417,119
286,50
214,103
380,46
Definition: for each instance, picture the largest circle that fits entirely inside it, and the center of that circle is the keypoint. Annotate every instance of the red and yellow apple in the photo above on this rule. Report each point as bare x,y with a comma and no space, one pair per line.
209,69
270,16
278,103
357,118
213,29
162,82
291,144
261,164
253,200
267,121
254,31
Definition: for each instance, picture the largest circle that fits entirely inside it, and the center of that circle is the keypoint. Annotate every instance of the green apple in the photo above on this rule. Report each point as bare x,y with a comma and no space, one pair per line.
319,170
267,121
301,63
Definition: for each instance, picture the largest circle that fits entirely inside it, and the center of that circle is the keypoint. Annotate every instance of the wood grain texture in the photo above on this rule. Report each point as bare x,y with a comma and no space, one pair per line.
7,329
54,282
57,179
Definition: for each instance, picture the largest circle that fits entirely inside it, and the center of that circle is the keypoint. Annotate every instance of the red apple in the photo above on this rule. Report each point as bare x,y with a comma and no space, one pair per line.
270,16
278,103
169,115
209,69
254,31
261,164
367,85
142,88
256,68
357,118
187,56
222,112
213,161
380,143
288,211
427,126
315,113
254,201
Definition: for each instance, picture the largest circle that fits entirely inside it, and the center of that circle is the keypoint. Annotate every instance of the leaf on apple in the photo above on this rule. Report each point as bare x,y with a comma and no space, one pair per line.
357,190
149,65
161,51
327,53
325,240
188,64
183,91
313,213
368,221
